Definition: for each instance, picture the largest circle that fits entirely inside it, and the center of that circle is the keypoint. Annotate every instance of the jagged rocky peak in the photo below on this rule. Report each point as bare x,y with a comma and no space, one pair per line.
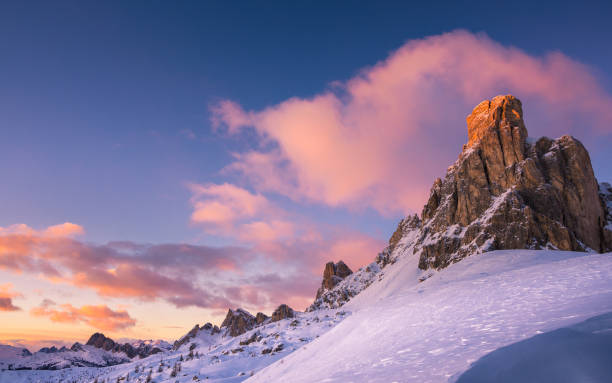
238,322
333,274
207,328
407,224
260,318
504,192
99,340
282,312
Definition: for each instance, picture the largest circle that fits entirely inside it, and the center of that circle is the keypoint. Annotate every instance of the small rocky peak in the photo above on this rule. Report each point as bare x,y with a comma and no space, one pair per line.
76,347
260,318
49,350
185,338
238,322
98,340
411,222
209,327
333,274
283,312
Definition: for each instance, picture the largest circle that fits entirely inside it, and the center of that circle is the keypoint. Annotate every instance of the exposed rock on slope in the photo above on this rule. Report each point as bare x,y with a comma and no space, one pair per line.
282,312
208,329
350,286
504,192
98,340
260,318
333,274
238,322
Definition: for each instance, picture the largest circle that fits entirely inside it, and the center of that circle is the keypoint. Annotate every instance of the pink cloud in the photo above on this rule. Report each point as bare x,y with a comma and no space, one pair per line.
6,298
235,212
99,316
66,229
187,275
380,139
176,273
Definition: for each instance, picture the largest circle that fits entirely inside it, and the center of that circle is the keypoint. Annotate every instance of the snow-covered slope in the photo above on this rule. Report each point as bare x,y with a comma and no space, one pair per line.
431,331
85,356
9,352
210,358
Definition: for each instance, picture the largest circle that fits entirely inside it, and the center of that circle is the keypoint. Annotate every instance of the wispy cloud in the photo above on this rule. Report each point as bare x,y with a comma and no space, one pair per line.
120,269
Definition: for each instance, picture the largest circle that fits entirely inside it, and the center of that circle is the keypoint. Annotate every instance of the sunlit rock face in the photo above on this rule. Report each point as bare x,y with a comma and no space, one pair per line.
507,192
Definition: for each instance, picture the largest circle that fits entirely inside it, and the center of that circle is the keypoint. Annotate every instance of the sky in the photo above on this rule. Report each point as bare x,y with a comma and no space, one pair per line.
162,162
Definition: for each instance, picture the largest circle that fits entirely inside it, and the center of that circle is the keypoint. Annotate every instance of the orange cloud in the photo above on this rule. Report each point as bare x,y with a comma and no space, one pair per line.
172,272
98,316
379,139
6,298
235,212
66,229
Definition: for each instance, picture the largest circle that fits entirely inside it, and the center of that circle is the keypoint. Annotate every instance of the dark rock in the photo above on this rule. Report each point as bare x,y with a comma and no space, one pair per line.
251,339
49,350
98,340
208,328
506,193
76,347
332,275
282,312
260,318
238,322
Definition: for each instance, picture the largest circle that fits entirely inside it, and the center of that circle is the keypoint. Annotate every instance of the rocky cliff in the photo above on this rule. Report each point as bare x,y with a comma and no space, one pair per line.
506,191
140,349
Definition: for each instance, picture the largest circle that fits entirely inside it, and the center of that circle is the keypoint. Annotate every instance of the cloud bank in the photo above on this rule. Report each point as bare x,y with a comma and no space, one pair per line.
99,316
379,139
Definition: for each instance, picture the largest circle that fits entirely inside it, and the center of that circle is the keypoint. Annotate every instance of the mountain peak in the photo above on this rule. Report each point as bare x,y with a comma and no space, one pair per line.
501,114
506,193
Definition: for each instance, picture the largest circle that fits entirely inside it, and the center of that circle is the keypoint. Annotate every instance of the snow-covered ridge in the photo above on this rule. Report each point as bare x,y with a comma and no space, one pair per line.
408,328
207,357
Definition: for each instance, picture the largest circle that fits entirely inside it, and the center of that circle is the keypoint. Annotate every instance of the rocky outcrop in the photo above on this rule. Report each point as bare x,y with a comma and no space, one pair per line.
282,312
406,225
260,318
333,274
505,192
238,322
207,328
142,350
98,340
53,350
605,193
350,286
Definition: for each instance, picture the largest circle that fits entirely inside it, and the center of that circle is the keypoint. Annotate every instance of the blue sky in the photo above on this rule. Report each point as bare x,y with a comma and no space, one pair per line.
95,94
105,121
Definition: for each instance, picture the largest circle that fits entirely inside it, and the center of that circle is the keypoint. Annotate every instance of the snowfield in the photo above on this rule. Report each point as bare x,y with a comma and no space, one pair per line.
402,330
410,325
